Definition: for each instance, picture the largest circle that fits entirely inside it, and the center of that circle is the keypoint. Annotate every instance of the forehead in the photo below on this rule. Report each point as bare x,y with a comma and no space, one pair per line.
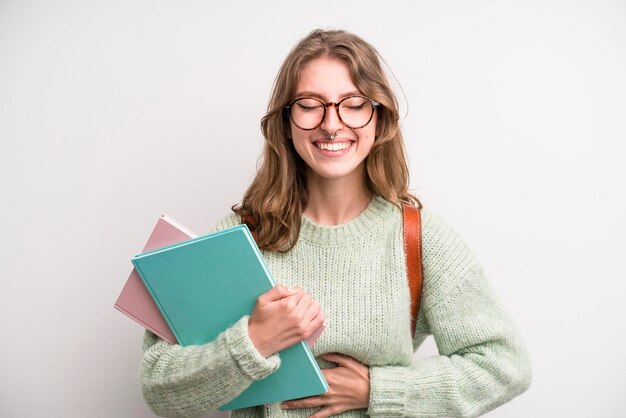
326,78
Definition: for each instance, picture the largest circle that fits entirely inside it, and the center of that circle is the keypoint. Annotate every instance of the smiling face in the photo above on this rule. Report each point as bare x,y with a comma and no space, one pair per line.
344,155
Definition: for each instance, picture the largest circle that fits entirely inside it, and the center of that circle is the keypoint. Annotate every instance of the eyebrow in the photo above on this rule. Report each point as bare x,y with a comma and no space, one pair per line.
314,94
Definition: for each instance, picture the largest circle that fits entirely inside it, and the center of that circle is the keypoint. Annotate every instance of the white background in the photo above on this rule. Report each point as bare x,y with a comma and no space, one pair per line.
113,112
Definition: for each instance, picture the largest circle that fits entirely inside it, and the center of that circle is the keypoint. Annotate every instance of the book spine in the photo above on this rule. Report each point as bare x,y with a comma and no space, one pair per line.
309,354
179,226
257,253
269,276
188,242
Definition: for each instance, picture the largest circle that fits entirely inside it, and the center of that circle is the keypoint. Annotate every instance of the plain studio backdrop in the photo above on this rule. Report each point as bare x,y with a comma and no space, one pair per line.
114,112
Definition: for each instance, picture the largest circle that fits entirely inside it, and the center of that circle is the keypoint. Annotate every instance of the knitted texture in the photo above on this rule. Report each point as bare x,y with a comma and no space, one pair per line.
356,271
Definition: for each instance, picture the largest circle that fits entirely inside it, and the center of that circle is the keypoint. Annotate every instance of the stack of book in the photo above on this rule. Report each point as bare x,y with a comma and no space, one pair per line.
187,289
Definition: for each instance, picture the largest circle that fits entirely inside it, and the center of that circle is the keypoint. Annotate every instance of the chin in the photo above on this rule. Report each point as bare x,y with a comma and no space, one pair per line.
336,173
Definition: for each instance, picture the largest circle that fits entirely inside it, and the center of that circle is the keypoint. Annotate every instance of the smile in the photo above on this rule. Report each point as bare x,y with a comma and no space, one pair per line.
334,146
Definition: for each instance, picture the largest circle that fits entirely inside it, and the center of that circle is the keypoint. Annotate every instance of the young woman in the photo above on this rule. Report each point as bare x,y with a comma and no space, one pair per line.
325,207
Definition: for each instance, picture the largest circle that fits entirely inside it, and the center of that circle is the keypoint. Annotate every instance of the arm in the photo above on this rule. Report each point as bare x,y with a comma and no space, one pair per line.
482,363
191,381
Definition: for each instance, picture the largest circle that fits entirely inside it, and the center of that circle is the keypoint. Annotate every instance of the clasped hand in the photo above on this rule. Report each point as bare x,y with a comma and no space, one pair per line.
281,318
348,388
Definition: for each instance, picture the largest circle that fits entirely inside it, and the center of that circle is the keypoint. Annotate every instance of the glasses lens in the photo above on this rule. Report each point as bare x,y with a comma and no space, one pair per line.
355,112
307,113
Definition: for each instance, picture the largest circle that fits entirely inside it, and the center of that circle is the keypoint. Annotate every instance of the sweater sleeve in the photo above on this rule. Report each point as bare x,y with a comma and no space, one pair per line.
193,380
190,381
483,362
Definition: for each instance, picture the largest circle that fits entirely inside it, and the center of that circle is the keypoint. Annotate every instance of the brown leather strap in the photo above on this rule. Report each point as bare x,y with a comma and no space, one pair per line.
412,224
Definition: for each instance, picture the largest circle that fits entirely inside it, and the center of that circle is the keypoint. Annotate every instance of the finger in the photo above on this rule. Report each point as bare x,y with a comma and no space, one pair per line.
325,412
310,402
287,291
312,311
302,306
340,359
297,289
274,294
317,322
290,302
320,318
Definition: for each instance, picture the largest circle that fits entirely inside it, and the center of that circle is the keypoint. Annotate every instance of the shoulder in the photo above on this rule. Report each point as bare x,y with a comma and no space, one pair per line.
440,238
227,221
447,258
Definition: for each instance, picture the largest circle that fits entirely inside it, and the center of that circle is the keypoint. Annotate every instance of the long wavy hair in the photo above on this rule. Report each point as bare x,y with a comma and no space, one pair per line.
273,204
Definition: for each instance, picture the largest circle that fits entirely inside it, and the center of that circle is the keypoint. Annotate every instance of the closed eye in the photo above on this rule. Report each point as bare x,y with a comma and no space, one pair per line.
306,108
359,107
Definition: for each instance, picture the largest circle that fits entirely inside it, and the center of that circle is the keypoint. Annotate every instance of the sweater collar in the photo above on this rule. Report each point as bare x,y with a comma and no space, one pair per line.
367,221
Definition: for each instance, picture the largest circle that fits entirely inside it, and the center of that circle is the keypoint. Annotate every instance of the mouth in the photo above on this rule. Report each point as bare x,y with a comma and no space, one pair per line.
334,146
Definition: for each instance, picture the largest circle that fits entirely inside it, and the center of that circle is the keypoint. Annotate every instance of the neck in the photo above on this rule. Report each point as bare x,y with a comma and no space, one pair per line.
336,201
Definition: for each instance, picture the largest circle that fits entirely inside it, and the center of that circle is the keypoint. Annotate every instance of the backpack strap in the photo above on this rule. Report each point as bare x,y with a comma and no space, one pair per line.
412,227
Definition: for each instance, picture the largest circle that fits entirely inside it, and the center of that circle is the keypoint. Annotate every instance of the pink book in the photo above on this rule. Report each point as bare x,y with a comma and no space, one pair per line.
135,300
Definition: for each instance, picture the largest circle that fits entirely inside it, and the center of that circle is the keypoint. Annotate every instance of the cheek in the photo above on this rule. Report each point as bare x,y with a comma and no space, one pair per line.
371,133
299,140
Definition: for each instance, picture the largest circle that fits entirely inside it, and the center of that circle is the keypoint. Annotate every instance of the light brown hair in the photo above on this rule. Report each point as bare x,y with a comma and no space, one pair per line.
273,204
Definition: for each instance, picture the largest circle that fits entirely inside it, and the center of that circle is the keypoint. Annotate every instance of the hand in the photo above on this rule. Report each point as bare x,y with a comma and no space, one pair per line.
281,318
348,388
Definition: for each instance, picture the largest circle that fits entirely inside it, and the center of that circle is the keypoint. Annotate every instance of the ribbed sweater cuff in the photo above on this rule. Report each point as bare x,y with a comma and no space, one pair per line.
251,362
387,392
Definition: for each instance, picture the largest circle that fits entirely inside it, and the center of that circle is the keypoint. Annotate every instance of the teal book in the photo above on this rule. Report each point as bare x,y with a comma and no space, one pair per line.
204,285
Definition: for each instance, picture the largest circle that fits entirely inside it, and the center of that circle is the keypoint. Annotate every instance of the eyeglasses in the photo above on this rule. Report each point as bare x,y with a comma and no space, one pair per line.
354,112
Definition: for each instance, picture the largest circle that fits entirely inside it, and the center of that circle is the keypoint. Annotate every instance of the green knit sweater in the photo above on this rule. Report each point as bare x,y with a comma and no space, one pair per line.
356,271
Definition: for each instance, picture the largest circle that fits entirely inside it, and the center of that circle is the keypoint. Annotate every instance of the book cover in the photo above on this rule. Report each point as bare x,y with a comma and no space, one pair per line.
204,285
135,301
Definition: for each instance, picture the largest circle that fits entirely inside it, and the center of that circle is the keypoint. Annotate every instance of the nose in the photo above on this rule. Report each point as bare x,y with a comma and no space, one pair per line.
331,123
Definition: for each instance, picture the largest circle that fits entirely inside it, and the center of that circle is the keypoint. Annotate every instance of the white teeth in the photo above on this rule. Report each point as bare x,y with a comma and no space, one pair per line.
335,146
